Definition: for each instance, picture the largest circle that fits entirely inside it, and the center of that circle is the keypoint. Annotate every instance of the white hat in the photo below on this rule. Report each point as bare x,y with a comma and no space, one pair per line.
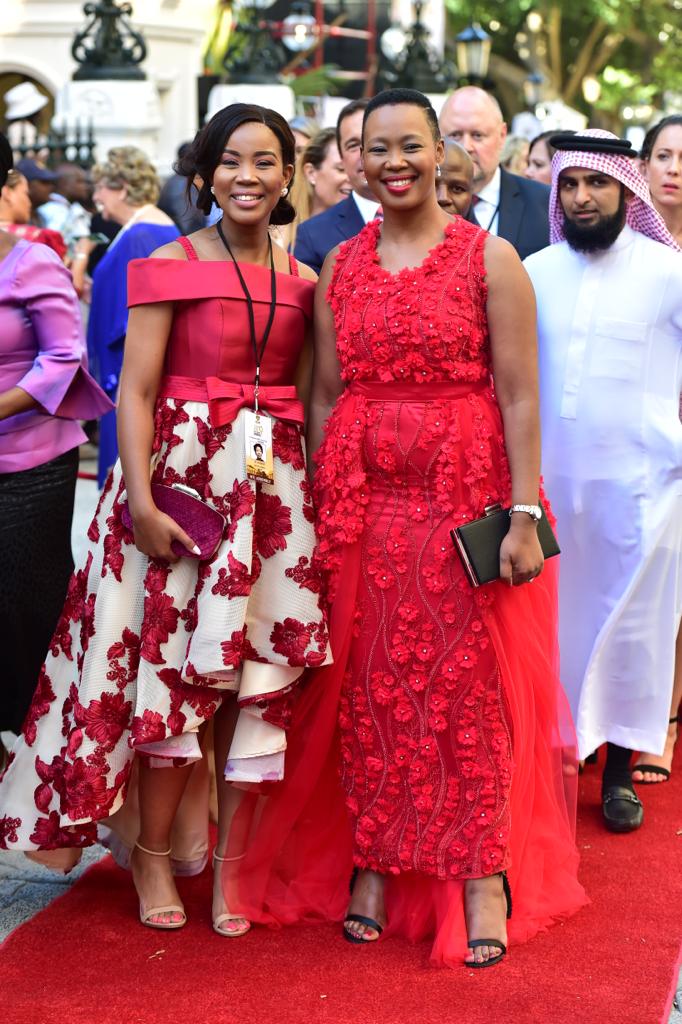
23,100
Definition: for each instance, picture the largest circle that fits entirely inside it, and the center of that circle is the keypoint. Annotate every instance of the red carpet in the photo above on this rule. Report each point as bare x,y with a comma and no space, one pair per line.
83,960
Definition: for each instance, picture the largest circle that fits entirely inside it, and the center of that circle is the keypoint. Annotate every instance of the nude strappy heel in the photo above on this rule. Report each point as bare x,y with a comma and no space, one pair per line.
146,915
222,918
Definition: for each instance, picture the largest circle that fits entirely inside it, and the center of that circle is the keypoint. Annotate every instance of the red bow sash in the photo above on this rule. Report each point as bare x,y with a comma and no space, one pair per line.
226,398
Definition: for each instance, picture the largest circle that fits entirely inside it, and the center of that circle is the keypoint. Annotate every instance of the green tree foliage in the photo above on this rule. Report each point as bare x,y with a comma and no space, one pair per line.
632,46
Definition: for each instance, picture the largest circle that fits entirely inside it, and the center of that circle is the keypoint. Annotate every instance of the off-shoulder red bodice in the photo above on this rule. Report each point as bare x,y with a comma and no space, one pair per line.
210,331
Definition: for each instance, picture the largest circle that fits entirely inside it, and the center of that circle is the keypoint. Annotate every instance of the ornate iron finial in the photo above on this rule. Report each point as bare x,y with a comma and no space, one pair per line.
108,47
254,56
419,65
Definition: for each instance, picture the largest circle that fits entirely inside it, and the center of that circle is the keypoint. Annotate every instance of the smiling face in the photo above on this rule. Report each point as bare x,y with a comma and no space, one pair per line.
400,156
350,136
663,169
111,201
329,181
249,179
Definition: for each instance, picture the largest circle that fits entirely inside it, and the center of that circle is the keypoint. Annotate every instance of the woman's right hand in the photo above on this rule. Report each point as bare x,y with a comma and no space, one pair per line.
154,533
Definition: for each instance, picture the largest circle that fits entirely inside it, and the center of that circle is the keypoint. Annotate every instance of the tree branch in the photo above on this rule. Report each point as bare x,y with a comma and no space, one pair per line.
554,39
605,52
584,58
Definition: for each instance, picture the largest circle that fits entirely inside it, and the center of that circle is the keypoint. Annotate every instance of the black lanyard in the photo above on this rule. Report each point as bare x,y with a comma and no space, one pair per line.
258,355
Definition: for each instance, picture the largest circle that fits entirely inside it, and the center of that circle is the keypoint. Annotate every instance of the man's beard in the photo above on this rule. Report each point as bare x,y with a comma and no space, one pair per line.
596,237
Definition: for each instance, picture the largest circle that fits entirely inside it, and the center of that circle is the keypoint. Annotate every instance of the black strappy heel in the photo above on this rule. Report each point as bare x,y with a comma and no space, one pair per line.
369,922
476,943
654,769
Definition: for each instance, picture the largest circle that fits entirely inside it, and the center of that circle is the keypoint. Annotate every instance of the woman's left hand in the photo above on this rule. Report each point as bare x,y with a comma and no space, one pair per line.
521,558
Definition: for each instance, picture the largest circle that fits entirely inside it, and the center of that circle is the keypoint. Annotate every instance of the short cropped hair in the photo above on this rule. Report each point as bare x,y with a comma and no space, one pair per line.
398,97
350,108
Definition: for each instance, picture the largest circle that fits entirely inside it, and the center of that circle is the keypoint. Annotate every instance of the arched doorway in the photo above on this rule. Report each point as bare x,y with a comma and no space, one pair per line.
42,119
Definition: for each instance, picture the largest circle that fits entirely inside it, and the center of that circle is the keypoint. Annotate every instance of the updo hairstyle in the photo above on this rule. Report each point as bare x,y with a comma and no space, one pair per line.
653,133
128,167
205,152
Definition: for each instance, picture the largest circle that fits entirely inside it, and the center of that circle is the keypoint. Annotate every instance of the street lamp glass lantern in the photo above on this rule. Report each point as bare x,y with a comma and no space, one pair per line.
393,41
473,52
257,5
532,89
299,31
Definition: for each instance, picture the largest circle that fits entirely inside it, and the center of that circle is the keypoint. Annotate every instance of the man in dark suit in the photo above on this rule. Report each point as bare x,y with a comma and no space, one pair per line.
507,205
319,235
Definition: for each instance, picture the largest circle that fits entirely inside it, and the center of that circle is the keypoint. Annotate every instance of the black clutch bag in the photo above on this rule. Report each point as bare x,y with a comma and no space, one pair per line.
478,543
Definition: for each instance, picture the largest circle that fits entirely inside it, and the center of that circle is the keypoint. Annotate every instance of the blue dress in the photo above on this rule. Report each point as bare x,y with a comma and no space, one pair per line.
109,320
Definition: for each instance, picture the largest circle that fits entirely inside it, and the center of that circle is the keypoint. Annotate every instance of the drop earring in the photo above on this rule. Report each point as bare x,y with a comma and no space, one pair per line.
438,171
285,191
212,190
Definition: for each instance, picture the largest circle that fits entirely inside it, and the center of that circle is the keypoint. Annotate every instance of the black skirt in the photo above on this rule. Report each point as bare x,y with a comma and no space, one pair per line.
36,509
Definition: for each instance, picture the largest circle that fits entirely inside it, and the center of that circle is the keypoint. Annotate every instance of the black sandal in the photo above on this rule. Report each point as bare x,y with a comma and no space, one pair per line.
361,919
475,943
653,769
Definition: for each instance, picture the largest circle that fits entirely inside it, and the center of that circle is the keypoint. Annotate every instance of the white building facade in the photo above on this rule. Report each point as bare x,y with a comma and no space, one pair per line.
35,43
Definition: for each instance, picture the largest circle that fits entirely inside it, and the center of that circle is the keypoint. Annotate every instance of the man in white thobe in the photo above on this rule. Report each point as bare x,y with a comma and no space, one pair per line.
609,294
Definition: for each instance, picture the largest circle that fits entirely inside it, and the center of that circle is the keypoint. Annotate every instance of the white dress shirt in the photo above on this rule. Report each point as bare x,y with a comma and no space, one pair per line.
487,207
367,207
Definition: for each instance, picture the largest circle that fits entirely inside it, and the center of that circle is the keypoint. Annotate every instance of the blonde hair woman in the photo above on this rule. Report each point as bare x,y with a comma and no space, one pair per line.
320,181
126,191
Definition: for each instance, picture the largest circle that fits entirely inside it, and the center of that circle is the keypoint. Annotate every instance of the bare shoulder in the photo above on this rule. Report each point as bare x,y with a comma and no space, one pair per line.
330,261
169,251
500,254
306,272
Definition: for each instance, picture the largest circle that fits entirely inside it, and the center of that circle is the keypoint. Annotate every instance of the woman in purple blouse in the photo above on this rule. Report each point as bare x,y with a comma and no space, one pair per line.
45,390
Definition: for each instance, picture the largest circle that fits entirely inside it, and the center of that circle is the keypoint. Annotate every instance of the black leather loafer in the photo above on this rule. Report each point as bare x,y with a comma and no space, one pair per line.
622,809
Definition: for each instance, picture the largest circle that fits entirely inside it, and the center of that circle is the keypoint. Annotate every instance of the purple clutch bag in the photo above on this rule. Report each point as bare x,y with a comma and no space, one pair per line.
204,524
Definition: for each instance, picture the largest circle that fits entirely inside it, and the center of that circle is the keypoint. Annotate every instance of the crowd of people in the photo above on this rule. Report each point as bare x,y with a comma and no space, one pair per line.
365,337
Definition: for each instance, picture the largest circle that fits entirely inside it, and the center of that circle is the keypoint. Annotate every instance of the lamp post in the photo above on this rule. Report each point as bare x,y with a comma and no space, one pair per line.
533,89
473,53
411,61
108,48
300,28
253,57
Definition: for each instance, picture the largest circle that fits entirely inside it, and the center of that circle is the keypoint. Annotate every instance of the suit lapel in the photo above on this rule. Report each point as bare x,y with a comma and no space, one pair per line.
350,218
511,210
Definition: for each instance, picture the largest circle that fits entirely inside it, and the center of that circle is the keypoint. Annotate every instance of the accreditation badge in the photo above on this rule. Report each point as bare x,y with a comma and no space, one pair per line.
260,463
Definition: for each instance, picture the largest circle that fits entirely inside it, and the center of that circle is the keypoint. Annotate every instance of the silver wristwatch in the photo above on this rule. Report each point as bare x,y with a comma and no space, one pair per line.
534,511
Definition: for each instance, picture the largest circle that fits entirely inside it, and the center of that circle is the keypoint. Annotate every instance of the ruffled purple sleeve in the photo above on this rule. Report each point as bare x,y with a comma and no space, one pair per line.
58,376
43,286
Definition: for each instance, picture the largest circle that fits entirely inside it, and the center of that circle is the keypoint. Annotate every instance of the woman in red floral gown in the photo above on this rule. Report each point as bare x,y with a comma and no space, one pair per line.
452,730
149,646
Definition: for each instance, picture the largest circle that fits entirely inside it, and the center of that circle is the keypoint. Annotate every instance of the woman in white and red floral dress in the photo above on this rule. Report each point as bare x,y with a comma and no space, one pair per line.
149,646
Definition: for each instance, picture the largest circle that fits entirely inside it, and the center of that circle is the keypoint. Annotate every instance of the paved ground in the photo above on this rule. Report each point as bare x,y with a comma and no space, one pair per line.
26,888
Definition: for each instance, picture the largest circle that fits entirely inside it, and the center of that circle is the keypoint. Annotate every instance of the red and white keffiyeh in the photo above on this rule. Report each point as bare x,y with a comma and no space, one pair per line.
641,213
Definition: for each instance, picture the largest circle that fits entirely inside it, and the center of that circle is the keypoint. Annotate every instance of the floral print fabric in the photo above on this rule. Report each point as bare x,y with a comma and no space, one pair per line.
146,650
